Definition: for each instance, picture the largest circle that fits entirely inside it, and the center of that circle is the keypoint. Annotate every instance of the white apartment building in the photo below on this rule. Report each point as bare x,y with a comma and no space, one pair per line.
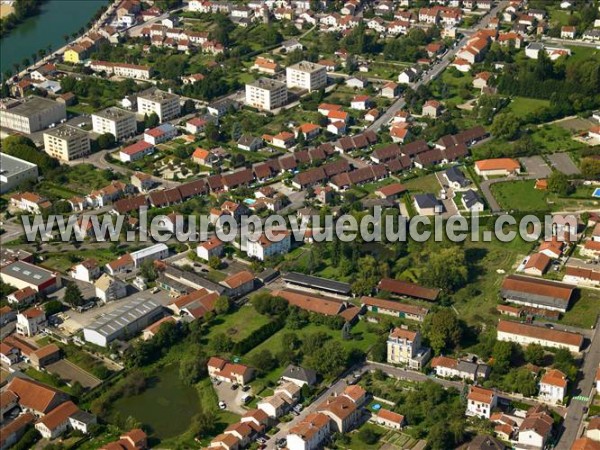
263,248
31,114
120,123
30,321
165,105
67,142
122,69
266,94
306,75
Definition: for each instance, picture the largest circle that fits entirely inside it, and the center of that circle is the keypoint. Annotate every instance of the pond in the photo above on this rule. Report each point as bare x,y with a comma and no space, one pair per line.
167,406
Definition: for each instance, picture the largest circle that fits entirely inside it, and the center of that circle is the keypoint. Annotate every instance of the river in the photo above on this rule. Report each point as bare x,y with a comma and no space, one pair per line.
56,18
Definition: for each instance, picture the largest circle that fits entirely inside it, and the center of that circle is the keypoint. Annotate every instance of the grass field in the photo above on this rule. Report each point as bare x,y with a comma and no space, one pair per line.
237,325
519,196
584,310
522,106
63,261
428,183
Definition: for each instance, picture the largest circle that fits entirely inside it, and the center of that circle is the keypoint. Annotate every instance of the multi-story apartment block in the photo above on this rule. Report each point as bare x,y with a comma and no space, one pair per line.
31,114
404,347
66,143
266,94
263,248
306,75
120,123
122,69
164,104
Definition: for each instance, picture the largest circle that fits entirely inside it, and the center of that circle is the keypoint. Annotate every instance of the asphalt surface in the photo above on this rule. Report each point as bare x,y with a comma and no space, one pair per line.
587,376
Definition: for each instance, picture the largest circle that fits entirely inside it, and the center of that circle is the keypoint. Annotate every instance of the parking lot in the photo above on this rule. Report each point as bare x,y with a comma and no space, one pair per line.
563,163
536,166
231,397
70,373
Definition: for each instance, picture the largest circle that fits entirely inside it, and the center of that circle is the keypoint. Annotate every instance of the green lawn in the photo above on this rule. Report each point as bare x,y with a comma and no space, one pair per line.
428,183
63,261
237,325
519,196
522,106
584,310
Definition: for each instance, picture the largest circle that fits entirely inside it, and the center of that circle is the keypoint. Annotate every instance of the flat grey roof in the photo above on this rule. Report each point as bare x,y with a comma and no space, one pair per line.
113,322
9,165
267,83
113,113
317,283
28,272
157,95
307,66
33,105
66,131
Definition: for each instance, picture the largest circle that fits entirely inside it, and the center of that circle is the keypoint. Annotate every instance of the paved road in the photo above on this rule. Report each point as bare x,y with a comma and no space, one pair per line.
436,69
575,413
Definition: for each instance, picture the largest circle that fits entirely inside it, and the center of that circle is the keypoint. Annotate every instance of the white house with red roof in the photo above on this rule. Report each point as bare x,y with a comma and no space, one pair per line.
136,151
553,386
31,321
361,102
229,372
264,248
211,247
390,419
481,402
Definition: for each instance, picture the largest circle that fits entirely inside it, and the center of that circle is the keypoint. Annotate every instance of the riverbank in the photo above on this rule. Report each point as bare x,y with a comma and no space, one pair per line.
39,36
14,14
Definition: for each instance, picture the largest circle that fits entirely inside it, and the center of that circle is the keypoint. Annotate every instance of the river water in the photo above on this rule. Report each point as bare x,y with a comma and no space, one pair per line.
56,18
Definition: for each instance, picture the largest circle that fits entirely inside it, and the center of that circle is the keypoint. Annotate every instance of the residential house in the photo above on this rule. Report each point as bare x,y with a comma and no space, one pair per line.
404,347
226,371
390,419
87,271
553,386
481,402
31,321
472,201
109,288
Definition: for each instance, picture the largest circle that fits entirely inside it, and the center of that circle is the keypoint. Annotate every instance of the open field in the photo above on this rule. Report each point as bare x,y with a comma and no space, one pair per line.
522,106
237,325
428,183
583,311
519,196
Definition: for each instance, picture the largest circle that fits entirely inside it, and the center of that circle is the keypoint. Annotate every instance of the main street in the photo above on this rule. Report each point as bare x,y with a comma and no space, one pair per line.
436,69
585,384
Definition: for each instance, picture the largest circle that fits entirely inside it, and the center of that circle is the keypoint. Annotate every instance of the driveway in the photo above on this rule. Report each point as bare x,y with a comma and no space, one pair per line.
563,163
449,205
536,166
231,397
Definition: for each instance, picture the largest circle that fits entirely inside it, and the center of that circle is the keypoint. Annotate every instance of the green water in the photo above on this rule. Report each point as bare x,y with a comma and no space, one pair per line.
56,18
167,407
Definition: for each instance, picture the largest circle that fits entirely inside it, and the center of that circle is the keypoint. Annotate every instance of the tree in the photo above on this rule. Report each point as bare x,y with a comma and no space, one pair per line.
73,295
506,126
52,307
106,140
192,368
558,183
502,354
151,121
446,269
214,262
222,305
590,168
221,343
267,304
148,271
442,329
188,107
328,360
263,361
534,354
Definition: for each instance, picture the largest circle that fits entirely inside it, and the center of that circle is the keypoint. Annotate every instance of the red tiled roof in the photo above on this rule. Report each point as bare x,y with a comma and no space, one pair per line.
408,289
563,337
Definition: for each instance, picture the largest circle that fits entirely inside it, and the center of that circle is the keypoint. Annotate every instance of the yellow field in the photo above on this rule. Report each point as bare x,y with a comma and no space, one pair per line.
5,10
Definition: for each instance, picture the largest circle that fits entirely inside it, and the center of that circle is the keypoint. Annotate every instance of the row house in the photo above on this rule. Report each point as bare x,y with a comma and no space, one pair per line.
109,194
453,368
358,177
